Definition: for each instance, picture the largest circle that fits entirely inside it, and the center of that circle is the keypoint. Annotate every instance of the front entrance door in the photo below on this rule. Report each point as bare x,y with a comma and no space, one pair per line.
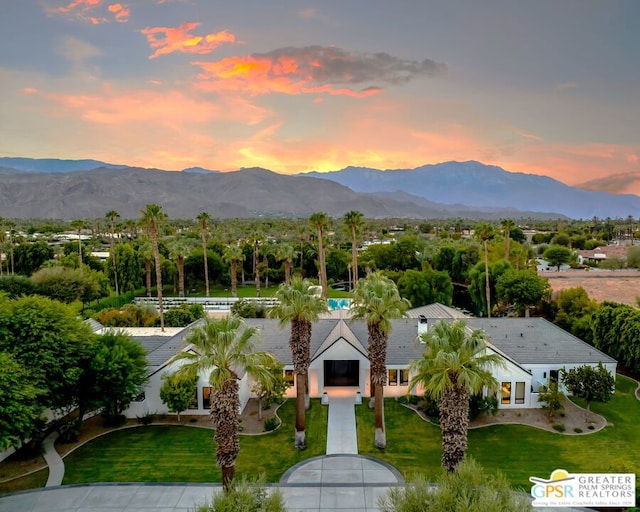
342,373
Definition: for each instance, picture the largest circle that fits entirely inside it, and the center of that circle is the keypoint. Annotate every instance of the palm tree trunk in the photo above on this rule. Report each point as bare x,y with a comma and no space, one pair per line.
225,415
301,379
265,266
380,436
147,271
354,258
454,423
487,289
323,265
180,276
287,271
206,264
234,278
156,256
113,260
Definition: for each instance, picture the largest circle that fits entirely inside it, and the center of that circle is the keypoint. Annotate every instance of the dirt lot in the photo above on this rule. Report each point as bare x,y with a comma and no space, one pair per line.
615,285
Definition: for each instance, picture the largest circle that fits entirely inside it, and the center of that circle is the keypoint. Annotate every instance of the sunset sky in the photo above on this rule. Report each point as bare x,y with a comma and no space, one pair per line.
544,87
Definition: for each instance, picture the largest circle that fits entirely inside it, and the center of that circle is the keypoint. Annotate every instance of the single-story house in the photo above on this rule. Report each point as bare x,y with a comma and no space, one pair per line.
532,350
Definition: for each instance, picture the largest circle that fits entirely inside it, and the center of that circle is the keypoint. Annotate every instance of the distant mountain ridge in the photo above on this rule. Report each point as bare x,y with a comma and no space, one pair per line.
450,189
479,185
252,192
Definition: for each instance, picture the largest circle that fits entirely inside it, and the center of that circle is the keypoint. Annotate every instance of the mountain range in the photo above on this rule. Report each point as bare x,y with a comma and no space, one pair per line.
69,189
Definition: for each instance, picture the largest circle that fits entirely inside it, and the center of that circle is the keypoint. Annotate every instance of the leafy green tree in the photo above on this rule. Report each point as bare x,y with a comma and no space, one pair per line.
426,287
223,347
20,398
46,337
478,283
16,286
145,251
179,249
453,367
271,391
203,226
177,391
522,288
183,315
507,226
29,257
128,267
376,300
120,370
615,332
299,306
633,257
589,383
574,310
111,217
469,488
557,255
79,225
551,398
69,285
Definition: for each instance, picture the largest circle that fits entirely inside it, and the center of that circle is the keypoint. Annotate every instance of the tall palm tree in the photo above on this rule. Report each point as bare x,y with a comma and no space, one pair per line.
286,252
203,223
179,249
376,300
300,306
233,255
484,232
320,222
145,250
255,240
111,216
79,225
507,226
152,219
353,224
454,366
266,250
222,348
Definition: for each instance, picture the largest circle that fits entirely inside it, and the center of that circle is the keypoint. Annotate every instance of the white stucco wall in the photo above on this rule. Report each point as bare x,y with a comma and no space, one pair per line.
339,351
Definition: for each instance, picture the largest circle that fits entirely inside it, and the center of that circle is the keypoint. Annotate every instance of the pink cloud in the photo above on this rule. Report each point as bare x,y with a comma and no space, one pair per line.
168,40
91,11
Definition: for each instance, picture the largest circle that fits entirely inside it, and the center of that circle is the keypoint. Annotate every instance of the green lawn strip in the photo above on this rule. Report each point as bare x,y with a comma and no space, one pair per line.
31,481
187,454
519,451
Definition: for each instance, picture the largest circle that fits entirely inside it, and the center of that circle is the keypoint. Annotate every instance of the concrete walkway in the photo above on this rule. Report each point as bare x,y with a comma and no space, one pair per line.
54,461
341,430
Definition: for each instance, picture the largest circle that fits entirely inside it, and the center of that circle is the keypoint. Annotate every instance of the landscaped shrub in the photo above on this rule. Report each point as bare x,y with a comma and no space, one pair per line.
246,496
114,302
430,409
482,405
182,315
577,430
270,424
130,315
559,427
146,418
248,309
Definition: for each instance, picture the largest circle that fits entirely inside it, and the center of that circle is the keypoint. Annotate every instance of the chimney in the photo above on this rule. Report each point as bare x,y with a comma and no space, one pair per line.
423,324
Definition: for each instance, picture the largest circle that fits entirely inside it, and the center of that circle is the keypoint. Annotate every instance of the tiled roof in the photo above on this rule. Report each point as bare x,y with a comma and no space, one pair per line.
435,310
537,341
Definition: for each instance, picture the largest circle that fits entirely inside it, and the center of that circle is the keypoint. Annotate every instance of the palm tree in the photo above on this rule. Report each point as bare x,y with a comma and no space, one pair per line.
145,250
256,239
203,219
266,250
507,226
287,253
179,249
376,300
222,348
79,225
484,232
233,255
152,219
320,222
454,366
300,306
111,216
353,224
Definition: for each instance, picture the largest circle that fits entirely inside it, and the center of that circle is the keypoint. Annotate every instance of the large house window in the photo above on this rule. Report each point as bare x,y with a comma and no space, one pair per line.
506,392
393,377
206,397
404,377
519,392
288,377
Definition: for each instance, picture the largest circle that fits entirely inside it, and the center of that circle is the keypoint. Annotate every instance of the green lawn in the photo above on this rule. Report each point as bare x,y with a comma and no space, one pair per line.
414,445
187,454
243,291
32,481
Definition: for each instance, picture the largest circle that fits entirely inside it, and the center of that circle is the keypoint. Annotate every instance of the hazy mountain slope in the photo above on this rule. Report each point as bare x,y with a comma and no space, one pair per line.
476,184
54,165
245,193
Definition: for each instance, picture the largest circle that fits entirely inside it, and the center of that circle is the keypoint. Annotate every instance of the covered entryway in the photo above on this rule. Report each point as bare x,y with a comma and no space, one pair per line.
342,373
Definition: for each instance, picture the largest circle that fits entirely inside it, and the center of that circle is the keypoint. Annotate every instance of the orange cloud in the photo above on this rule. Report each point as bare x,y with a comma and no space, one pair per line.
85,10
312,70
168,40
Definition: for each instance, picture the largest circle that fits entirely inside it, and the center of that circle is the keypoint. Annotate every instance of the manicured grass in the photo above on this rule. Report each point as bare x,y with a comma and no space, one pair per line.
519,451
187,454
32,481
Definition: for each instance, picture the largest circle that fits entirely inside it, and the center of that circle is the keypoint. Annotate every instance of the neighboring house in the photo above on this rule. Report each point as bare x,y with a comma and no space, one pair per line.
532,350
603,253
